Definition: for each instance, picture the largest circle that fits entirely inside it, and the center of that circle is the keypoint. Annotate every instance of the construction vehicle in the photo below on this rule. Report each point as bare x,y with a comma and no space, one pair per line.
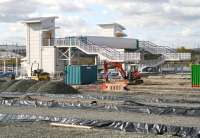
39,75
131,77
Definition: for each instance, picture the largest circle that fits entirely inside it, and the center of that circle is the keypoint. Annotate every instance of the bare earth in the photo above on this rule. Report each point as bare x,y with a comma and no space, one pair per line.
43,130
154,88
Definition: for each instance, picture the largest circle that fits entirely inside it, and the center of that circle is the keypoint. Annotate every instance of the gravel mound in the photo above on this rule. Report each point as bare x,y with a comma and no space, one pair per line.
1,82
5,85
36,86
32,86
56,87
21,86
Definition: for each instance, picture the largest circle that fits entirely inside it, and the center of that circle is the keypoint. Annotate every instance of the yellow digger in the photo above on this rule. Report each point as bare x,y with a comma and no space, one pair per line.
39,75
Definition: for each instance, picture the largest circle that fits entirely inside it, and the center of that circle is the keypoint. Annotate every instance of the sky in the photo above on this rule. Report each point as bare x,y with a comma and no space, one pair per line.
173,23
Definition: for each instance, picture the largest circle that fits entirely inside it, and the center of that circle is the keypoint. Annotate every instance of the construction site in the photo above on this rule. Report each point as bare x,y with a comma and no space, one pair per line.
96,86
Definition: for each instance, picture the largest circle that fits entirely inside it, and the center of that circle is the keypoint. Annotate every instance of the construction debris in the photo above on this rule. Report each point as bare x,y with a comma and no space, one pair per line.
69,125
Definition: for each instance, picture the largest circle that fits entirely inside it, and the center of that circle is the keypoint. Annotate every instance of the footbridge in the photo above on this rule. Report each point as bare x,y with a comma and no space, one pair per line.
111,54
90,48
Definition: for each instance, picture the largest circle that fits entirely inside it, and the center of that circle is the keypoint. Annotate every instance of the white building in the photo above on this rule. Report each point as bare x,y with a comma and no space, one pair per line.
113,29
39,31
45,51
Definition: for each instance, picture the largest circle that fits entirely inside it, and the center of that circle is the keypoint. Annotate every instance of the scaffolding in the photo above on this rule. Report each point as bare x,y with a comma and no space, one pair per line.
10,57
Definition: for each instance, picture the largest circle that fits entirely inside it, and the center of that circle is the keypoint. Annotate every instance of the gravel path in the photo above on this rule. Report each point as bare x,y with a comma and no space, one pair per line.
104,115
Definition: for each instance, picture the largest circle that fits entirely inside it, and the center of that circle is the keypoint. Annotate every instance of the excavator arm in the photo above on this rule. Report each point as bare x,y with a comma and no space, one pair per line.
116,65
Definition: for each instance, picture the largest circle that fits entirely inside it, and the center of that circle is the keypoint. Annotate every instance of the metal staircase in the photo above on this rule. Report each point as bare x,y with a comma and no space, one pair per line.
111,54
167,54
90,48
155,49
151,63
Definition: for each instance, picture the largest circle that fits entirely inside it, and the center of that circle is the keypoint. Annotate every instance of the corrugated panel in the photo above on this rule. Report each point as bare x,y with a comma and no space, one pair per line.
72,75
196,75
114,42
88,74
77,75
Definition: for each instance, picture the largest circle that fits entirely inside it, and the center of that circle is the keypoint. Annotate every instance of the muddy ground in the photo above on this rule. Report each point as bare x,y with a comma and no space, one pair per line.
157,91
44,130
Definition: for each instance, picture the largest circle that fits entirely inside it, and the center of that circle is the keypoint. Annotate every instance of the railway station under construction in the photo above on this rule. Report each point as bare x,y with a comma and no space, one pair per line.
45,51
57,84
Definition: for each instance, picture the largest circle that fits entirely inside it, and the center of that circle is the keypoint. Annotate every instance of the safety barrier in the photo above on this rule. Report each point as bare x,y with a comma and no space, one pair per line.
113,87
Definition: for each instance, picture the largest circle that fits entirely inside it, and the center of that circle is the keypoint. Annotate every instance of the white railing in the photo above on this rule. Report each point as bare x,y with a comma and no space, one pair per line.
155,49
130,56
109,53
168,54
177,56
154,62
91,48
88,47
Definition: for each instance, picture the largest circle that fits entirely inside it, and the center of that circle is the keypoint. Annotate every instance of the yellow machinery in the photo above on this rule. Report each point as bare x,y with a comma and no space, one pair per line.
39,75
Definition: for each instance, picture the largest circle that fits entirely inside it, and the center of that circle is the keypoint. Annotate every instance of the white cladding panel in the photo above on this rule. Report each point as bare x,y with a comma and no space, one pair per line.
49,59
114,42
120,50
36,53
34,43
108,32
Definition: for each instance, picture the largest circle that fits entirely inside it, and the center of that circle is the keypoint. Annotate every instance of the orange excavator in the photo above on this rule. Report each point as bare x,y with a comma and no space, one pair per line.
132,77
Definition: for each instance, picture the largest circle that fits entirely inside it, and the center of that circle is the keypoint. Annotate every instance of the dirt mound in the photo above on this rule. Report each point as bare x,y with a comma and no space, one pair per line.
5,85
1,82
56,87
32,86
21,86
36,86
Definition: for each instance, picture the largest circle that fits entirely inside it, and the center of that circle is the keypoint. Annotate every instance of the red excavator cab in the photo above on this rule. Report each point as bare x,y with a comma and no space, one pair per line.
136,74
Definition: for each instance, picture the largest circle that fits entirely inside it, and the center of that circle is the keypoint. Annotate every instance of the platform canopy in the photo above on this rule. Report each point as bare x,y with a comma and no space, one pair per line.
38,20
112,25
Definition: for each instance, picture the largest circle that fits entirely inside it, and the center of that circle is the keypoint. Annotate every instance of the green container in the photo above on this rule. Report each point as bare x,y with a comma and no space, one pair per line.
80,74
196,75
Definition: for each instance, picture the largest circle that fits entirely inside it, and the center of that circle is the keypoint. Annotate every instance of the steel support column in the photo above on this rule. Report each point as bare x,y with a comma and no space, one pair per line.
69,54
96,60
4,65
16,67
66,54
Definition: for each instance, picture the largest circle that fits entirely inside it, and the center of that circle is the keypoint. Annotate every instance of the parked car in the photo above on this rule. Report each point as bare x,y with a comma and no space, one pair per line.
112,74
7,74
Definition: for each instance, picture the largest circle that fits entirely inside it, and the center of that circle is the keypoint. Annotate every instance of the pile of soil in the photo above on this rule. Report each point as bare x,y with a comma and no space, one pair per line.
56,87
1,82
32,86
36,86
6,85
21,86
